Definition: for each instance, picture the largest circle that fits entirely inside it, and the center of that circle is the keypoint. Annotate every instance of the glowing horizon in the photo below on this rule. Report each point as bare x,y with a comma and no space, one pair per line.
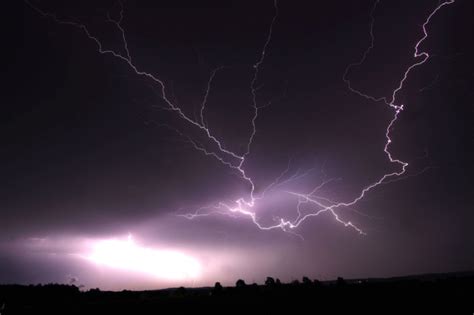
127,255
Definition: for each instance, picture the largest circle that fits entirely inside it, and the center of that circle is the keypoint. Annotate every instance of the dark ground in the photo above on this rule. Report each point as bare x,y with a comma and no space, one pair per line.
424,294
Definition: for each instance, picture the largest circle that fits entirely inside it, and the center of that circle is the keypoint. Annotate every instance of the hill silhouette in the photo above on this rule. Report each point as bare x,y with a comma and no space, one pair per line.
448,293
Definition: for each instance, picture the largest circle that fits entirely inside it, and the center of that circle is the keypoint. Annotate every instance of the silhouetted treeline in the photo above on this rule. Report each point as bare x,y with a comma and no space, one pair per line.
448,294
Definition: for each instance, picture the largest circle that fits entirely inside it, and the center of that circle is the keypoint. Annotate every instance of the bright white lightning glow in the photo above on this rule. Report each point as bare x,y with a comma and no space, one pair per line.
128,256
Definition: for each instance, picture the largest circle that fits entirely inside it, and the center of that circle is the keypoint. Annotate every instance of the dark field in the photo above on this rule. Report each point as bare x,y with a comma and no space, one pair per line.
440,293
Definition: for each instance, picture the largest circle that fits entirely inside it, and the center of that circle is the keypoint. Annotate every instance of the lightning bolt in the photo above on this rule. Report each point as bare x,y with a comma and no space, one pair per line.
236,161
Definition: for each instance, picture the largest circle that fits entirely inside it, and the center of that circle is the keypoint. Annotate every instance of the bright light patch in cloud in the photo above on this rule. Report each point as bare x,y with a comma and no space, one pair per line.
126,255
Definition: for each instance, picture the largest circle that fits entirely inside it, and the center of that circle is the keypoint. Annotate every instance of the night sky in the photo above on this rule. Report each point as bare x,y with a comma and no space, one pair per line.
92,157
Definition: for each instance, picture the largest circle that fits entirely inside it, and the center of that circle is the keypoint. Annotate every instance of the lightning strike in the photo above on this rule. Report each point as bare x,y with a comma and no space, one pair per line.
236,161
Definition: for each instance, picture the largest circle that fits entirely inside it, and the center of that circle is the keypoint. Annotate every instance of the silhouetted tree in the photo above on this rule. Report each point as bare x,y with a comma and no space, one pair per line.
217,289
240,283
307,281
254,287
278,282
295,282
270,281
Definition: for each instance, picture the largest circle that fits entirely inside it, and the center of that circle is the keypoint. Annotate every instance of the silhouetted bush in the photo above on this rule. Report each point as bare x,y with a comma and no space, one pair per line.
307,281
270,281
452,294
254,287
218,289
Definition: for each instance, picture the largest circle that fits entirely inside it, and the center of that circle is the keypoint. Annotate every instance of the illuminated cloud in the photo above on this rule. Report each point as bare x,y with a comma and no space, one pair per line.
126,255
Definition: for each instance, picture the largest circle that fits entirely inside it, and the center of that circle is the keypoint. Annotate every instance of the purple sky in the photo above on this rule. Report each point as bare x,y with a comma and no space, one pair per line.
103,174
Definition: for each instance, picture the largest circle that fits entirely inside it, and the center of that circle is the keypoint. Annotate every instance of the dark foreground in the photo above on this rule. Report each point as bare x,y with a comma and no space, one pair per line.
428,294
